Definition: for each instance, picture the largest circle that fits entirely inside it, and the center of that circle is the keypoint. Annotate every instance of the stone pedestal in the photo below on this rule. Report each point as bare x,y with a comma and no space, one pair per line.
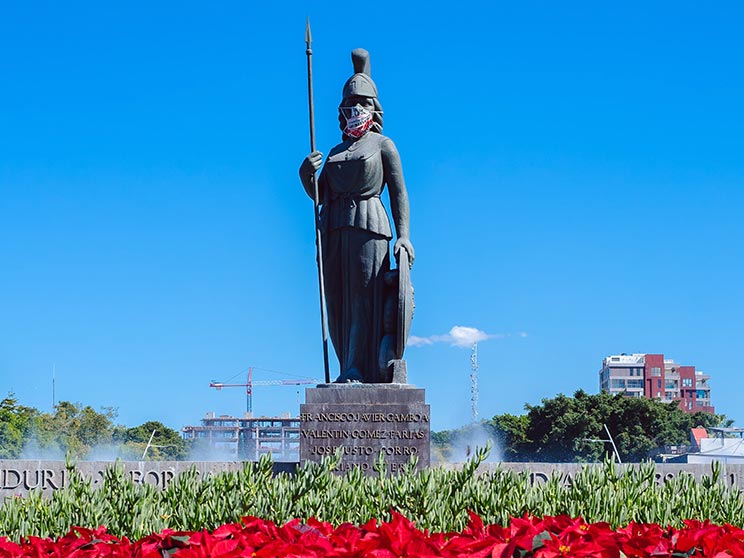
364,420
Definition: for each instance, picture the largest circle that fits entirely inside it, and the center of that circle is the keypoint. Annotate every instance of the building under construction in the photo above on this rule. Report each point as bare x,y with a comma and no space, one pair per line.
247,438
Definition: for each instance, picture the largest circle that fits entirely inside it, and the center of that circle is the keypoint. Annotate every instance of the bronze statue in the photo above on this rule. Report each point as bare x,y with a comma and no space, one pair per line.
369,305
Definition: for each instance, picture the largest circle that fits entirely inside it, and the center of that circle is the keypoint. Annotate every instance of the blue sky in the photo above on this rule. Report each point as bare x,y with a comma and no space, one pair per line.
575,173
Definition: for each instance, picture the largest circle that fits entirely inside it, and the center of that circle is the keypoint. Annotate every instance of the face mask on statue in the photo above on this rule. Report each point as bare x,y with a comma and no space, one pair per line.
358,120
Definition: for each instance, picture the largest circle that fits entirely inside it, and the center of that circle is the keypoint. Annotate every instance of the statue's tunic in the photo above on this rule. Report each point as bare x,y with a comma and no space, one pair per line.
355,232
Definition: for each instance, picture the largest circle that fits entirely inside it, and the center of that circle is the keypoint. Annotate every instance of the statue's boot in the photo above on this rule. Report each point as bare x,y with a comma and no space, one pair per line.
350,376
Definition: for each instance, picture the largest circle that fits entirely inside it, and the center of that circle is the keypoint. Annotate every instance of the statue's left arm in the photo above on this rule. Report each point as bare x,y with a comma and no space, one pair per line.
398,197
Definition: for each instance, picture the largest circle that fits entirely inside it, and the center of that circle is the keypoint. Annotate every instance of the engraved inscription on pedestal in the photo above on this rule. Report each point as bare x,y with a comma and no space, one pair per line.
365,420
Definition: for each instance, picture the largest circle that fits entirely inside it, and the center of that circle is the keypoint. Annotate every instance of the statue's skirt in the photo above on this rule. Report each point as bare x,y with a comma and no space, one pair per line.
355,262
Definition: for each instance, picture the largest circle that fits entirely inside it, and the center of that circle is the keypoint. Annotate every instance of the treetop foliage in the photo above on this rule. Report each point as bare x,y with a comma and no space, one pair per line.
571,429
81,432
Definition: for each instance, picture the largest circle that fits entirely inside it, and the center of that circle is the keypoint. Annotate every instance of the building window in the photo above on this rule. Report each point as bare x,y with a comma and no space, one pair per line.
617,384
655,371
686,382
658,384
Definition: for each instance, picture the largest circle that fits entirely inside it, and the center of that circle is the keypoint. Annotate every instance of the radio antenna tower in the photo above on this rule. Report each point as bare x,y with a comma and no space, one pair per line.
474,380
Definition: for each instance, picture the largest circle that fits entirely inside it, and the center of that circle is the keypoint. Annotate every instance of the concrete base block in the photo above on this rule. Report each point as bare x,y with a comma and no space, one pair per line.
365,420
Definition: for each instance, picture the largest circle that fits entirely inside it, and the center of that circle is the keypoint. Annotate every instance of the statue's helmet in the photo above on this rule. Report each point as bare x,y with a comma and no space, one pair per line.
360,84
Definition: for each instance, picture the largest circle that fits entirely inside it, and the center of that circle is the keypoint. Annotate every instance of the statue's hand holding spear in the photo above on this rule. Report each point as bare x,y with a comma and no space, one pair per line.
309,167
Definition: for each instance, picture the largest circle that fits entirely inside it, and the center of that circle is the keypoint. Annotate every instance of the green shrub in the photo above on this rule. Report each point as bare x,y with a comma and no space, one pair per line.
436,499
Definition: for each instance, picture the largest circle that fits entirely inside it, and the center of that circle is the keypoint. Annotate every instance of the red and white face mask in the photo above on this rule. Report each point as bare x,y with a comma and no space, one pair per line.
358,120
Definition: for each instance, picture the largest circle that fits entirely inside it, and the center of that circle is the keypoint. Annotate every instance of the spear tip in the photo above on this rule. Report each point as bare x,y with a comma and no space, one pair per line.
308,34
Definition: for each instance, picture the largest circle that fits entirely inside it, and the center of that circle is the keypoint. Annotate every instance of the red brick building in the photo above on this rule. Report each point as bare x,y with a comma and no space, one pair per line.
654,377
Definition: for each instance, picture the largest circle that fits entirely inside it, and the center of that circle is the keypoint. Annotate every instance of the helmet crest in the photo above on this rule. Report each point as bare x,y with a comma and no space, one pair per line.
360,84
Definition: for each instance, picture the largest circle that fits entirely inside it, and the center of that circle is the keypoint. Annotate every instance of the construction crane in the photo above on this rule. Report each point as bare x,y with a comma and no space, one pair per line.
248,385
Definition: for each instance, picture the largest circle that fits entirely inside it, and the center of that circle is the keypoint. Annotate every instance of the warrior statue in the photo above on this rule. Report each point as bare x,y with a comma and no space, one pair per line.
369,305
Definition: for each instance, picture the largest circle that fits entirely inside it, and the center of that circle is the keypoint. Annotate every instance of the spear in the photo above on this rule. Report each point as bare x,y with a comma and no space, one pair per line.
316,202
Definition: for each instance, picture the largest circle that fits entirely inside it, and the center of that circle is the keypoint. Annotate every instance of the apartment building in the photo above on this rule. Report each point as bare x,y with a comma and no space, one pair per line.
654,377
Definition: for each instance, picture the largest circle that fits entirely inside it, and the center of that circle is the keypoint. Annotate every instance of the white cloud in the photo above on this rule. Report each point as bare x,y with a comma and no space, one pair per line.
416,341
463,336
458,336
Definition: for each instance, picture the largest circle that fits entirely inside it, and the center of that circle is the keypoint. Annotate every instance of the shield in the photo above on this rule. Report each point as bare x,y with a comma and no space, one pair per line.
405,303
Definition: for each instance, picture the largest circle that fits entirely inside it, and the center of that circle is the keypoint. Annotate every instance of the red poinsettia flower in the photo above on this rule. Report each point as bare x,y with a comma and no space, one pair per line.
398,538
707,539
476,541
257,532
639,540
81,542
694,536
528,536
158,544
343,539
569,544
9,549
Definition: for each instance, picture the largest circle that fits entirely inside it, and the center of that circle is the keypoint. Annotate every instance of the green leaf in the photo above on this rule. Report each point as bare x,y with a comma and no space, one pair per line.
539,540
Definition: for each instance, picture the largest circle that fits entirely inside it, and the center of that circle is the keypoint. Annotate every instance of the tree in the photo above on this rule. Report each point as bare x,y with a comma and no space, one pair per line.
511,433
166,444
82,432
15,423
562,429
571,429
73,429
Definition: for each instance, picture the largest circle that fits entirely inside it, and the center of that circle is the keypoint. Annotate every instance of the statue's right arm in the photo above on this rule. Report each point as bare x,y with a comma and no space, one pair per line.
308,168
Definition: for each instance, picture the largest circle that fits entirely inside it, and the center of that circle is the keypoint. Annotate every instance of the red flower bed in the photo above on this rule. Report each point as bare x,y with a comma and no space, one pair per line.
549,537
